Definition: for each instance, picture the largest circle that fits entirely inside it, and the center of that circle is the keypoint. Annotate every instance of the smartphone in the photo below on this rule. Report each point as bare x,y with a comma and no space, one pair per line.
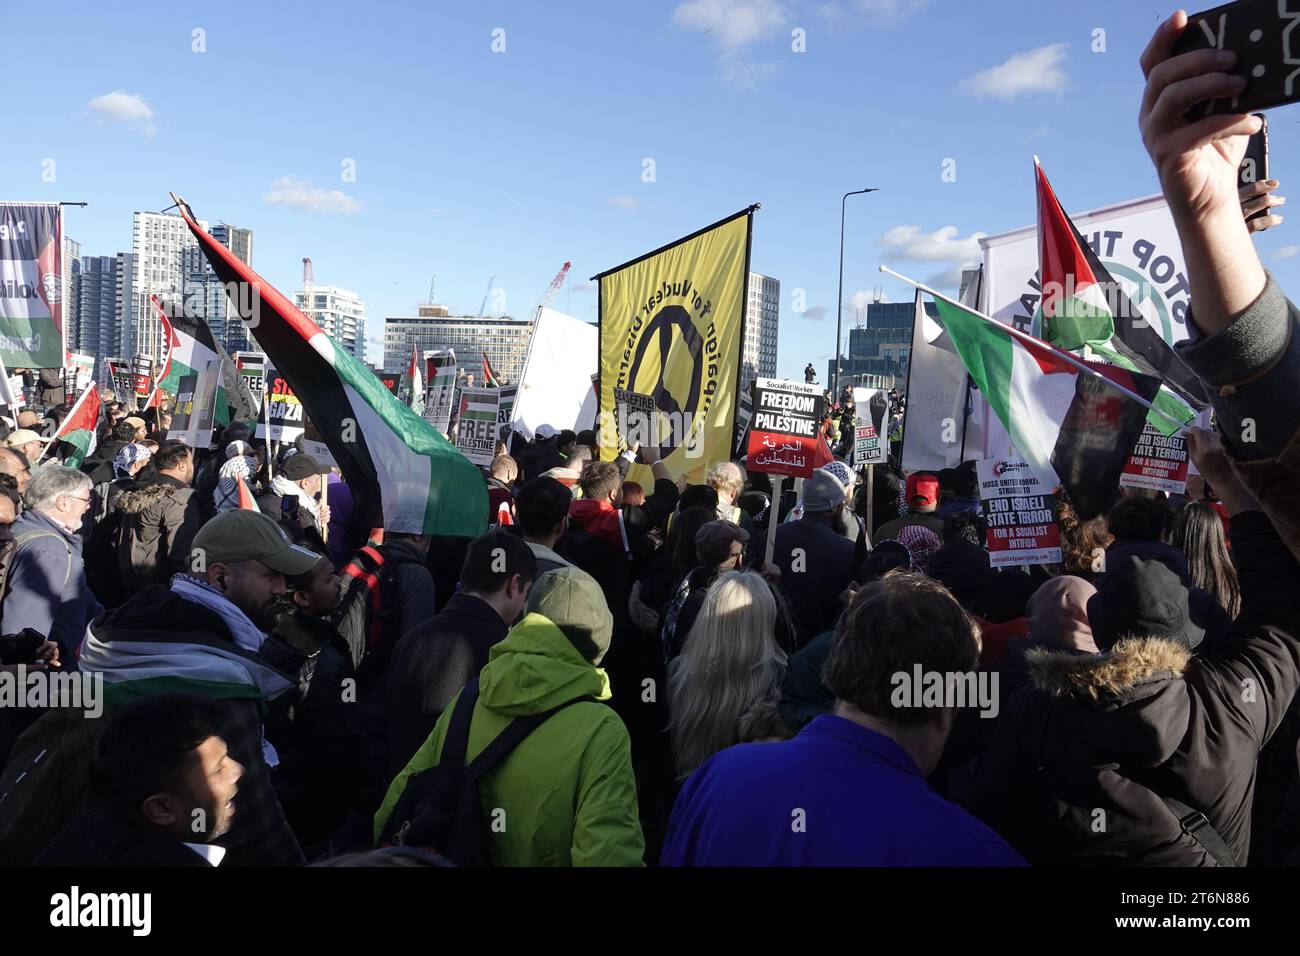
1262,34
1254,165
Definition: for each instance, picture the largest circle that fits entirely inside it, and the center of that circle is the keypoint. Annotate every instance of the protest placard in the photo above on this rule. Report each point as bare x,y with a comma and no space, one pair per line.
869,440
439,388
1158,463
1021,514
476,434
783,429
282,413
637,418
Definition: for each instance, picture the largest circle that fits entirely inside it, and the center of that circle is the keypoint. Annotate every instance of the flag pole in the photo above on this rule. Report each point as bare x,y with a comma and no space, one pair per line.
1025,337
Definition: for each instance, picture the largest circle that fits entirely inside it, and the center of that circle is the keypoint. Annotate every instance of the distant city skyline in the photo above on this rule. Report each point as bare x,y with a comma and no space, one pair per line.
459,151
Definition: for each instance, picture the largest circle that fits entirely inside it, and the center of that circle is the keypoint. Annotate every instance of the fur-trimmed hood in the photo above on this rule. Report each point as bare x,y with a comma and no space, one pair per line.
1130,704
141,498
1093,676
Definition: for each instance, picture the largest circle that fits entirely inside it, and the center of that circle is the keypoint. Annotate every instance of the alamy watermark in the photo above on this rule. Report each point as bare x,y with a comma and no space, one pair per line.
950,689
39,688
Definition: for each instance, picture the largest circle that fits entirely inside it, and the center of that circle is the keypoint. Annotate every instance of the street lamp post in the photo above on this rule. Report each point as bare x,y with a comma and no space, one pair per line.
839,302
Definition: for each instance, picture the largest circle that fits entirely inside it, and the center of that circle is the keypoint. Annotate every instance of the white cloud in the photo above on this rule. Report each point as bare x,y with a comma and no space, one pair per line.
122,107
624,202
872,11
1287,252
855,306
942,245
816,313
301,194
1039,70
581,286
734,24
950,278
744,75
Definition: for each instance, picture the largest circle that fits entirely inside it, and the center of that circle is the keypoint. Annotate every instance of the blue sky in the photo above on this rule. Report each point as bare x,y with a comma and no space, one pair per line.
471,162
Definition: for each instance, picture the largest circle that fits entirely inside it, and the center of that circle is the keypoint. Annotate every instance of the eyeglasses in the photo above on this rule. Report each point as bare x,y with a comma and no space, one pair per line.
75,498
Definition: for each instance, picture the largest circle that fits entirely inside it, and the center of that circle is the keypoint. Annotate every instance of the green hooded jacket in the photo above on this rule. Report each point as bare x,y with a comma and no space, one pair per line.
566,796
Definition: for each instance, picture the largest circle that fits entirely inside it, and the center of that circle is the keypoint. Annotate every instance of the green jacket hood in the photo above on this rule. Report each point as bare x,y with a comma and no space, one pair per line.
536,668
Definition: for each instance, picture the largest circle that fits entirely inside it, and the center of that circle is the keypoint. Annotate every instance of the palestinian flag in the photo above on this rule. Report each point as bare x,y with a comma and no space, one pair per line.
489,376
403,475
415,383
190,346
1083,306
78,431
169,336
1074,427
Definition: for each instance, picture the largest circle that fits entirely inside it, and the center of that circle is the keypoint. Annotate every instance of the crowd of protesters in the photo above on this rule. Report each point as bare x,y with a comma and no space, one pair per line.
619,673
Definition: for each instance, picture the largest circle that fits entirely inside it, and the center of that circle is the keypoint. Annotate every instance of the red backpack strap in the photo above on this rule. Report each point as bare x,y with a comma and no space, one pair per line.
365,567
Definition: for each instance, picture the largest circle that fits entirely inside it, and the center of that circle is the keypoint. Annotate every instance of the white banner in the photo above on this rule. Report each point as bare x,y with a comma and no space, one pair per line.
555,386
1137,243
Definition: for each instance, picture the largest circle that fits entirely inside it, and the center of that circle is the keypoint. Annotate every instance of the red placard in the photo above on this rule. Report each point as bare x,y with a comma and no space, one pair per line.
778,454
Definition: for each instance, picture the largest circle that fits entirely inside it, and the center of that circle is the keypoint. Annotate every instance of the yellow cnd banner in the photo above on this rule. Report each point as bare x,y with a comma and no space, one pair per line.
671,330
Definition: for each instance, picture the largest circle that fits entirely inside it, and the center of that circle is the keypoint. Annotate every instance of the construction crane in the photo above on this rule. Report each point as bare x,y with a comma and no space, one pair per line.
432,282
308,280
486,292
554,287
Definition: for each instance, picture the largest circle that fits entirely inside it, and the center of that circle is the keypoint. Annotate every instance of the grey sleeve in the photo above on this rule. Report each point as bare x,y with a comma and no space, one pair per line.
1259,343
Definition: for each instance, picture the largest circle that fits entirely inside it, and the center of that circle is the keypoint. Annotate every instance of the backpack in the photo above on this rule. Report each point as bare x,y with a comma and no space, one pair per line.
45,783
368,614
440,807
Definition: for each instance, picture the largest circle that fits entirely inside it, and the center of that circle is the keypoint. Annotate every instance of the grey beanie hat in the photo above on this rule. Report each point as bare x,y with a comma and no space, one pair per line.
822,491
571,599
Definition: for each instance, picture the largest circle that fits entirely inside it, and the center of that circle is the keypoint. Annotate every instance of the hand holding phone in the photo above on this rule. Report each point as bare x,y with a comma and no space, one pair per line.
1263,36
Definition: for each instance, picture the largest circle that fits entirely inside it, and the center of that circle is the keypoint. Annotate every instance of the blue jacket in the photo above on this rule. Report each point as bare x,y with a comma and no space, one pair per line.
838,794
47,588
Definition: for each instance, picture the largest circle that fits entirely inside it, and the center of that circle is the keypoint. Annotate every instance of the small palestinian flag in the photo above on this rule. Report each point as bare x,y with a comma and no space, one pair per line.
403,475
79,430
246,502
1084,306
1075,427
415,383
489,376
190,347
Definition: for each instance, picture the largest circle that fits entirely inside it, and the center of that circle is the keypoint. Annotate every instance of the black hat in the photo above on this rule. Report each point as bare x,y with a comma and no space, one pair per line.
1142,598
302,466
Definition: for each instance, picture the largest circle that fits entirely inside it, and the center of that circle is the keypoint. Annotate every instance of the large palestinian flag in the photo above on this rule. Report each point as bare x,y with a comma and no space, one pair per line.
403,475
1074,427
79,429
1083,306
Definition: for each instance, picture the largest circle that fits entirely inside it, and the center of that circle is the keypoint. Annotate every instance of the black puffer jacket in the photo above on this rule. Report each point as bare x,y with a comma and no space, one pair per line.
317,732
1081,758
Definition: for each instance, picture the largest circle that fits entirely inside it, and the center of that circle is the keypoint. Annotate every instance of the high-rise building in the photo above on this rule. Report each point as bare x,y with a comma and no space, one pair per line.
240,242
124,310
98,329
762,313
882,345
158,241
71,277
504,340
340,315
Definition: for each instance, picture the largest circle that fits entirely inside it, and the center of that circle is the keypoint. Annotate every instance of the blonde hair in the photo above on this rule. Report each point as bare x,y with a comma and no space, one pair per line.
729,663
725,476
